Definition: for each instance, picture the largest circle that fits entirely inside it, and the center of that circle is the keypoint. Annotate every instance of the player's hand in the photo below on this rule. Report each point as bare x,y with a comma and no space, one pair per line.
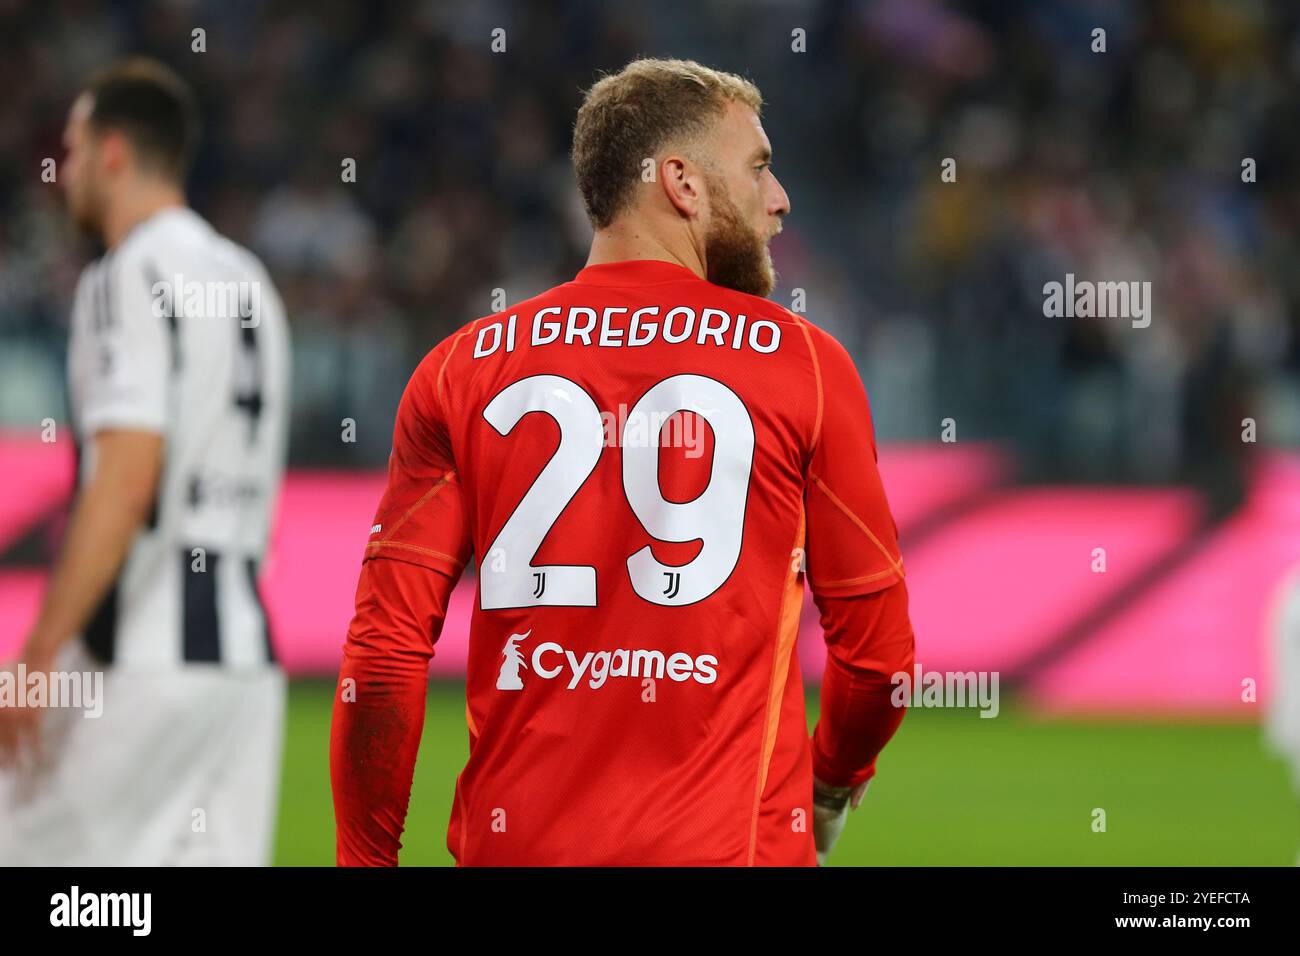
20,726
831,807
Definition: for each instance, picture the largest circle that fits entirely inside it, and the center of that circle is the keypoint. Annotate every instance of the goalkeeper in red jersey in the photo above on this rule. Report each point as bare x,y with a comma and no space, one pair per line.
642,461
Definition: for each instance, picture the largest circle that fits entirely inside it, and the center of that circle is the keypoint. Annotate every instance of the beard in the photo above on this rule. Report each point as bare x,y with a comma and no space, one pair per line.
85,212
736,255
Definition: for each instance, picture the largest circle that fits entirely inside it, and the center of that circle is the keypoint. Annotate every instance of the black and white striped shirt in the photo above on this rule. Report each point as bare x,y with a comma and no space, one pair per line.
180,331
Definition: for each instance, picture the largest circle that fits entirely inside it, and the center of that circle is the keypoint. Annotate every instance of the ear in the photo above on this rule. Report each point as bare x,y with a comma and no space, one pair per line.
114,150
683,184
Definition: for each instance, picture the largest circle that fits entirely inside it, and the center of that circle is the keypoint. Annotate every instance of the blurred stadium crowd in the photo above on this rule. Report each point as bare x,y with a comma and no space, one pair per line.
1114,166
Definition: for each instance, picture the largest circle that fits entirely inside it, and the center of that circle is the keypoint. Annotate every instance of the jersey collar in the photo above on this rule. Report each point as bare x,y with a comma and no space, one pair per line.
166,214
634,272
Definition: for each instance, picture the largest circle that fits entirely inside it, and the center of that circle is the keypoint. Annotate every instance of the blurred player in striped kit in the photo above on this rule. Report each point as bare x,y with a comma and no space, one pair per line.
178,370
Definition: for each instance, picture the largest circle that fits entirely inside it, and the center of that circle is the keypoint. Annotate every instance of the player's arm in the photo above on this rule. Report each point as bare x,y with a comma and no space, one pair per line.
124,413
417,550
857,579
106,516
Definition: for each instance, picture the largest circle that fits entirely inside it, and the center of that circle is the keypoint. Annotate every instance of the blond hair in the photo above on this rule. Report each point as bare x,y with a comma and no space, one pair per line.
631,115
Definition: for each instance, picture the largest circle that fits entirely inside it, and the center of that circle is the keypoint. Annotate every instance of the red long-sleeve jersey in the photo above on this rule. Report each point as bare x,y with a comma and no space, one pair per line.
643,464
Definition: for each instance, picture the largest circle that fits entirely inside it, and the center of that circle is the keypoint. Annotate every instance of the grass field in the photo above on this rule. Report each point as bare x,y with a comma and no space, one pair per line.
954,789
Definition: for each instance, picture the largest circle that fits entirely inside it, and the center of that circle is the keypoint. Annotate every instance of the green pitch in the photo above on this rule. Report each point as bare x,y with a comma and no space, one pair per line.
954,789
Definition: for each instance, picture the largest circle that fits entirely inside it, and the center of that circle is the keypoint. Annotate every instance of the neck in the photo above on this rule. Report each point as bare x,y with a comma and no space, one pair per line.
622,242
134,205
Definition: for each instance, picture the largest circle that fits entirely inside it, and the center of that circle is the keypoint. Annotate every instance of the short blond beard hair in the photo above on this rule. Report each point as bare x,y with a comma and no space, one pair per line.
629,116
